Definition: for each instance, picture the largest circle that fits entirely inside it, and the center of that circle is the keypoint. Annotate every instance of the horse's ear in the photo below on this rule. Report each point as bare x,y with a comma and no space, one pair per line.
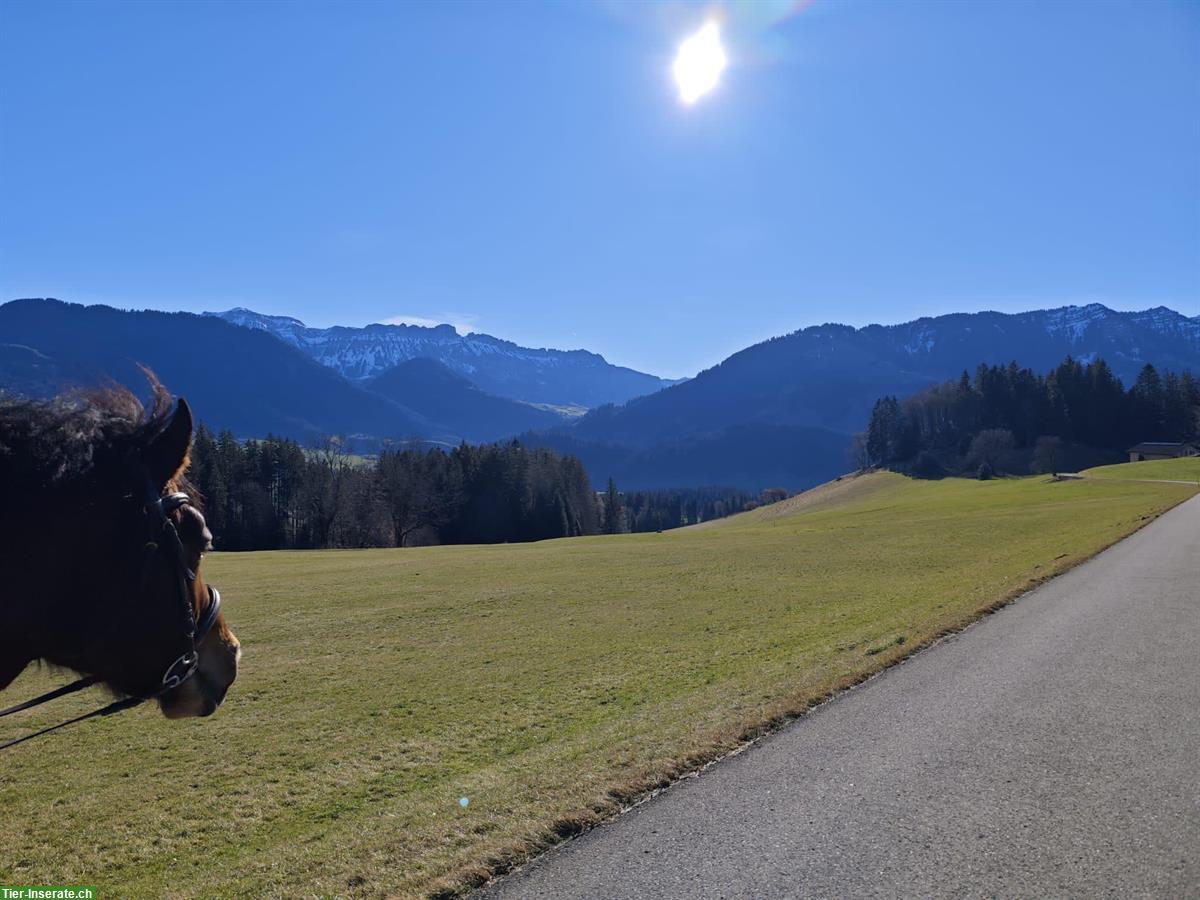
167,454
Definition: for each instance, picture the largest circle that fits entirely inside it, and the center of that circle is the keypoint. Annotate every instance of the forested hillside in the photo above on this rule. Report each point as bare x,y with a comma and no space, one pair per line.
1008,418
798,399
434,391
273,494
827,376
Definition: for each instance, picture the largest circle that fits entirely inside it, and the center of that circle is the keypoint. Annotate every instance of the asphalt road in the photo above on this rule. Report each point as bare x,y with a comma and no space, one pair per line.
1051,750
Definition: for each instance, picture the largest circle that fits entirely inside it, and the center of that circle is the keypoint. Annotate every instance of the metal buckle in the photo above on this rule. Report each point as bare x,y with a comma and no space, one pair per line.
180,670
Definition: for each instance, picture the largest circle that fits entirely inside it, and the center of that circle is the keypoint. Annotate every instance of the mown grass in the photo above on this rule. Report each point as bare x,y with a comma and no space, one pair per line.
547,683
1185,469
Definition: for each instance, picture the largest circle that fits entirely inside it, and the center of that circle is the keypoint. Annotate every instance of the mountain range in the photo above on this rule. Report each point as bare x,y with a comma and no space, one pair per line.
829,376
571,379
806,393
779,413
250,381
235,378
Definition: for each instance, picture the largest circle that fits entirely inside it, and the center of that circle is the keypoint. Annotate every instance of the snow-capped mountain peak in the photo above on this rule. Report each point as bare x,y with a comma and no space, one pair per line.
558,377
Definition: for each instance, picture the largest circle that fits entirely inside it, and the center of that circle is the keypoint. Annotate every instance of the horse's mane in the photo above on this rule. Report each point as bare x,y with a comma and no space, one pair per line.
46,443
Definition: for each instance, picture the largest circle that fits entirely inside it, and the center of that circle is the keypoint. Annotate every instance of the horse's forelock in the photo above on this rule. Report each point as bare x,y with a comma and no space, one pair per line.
67,436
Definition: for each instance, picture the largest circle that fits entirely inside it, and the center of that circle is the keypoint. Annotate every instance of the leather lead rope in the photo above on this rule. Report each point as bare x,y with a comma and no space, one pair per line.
114,707
51,695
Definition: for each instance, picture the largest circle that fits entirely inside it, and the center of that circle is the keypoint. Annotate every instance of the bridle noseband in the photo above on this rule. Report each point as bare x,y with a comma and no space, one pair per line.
185,666
160,510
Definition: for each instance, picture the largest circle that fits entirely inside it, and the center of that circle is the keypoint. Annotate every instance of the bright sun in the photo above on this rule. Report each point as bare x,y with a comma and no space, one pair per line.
699,63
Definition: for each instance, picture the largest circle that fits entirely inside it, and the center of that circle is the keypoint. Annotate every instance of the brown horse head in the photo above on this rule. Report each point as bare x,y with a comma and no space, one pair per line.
96,575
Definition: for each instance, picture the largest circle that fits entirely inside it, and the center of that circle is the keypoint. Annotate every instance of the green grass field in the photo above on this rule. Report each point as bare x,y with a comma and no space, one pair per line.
1185,469
546,683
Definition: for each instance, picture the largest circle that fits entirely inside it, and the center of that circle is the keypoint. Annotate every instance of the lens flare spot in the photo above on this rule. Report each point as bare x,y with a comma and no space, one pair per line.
463,802
699,63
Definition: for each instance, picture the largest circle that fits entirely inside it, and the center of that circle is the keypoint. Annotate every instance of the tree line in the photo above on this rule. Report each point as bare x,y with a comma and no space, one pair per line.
1010,418
642,511
666,509
273,494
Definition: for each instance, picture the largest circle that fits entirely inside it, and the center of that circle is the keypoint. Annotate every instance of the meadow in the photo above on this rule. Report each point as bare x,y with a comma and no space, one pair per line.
1185,469
409,721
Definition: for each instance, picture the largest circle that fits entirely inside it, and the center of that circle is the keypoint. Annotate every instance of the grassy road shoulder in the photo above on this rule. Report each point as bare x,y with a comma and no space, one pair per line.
546,684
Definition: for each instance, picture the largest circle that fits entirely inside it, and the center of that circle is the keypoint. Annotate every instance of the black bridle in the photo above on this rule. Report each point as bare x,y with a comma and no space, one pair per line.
183,668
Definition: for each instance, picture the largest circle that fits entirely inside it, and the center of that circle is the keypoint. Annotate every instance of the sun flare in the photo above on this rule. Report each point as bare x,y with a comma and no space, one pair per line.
699,63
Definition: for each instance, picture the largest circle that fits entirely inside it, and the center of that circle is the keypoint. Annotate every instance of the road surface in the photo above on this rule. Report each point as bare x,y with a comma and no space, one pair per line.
1053,749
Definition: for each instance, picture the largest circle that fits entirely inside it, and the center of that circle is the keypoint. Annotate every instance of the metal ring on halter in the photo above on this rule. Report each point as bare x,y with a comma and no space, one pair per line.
187,662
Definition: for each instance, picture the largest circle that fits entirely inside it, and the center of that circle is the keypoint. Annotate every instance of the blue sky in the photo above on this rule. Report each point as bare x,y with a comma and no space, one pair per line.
527,170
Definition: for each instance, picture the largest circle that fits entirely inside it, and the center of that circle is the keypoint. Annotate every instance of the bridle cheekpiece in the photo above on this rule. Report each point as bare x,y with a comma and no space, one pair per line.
185,666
